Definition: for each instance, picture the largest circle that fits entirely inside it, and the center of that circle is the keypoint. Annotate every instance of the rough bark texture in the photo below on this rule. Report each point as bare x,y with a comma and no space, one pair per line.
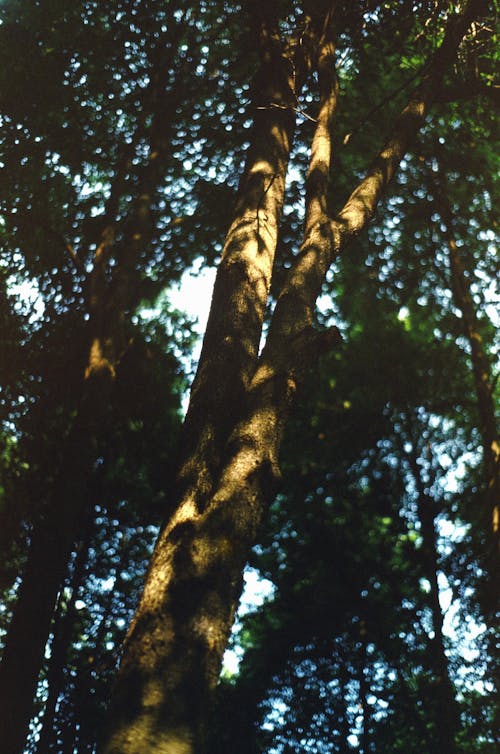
240,403
231,342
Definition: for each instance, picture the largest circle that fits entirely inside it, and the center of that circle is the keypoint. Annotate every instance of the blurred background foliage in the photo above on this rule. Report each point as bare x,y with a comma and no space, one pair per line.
377,631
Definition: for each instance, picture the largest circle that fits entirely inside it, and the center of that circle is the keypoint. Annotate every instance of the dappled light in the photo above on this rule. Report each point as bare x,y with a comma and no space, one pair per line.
331,168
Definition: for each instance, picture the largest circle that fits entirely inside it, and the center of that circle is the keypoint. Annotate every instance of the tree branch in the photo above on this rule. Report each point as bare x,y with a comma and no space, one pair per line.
329,236
68,246
361,205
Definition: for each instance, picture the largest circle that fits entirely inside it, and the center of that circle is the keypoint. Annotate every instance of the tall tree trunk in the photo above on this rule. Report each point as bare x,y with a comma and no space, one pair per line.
63,629
484,392
364,692
199,535
483,381
110,296
488,427
174,648
447,720
240,296
343,722
51,545
62,519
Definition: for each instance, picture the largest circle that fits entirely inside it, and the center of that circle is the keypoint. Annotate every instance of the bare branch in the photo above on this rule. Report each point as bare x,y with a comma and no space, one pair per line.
361,205
68,246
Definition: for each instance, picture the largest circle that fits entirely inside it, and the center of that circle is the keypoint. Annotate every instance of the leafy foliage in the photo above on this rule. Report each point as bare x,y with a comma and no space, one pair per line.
133,118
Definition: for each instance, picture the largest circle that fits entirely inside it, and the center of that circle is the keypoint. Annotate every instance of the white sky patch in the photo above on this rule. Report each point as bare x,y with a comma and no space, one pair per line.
193,295
256,591
28,298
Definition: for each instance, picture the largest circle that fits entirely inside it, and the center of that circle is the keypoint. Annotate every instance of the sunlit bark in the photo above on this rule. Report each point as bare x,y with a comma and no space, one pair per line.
231,342
173,652
328,237
195,574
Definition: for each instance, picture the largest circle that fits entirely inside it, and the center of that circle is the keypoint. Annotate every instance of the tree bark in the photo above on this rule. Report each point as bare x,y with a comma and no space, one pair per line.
488,428
483,381
51,545
174,648
447,724
62,518
231,342
111,296
63,628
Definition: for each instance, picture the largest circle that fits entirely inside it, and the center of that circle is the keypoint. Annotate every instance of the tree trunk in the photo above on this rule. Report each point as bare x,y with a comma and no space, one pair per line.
447,720
62,518
51,546
63,629
488,427
364,692
240,403
482,381
110,296
344,727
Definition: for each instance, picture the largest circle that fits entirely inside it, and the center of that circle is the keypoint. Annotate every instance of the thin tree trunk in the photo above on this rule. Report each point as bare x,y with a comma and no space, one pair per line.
46,568
63,629
483,381
344,727
447,719
60,523
364,692
174,648
488,427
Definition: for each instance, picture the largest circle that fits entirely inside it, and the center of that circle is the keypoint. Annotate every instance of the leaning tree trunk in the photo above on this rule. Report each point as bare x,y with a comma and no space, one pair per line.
174,648
64,515
201,535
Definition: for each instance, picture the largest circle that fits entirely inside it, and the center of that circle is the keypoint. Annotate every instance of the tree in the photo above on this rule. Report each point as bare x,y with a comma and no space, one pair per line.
229,466
104,194
351,551
120,169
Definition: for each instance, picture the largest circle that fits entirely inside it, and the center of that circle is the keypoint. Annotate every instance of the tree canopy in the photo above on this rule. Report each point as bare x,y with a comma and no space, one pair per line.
336,163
